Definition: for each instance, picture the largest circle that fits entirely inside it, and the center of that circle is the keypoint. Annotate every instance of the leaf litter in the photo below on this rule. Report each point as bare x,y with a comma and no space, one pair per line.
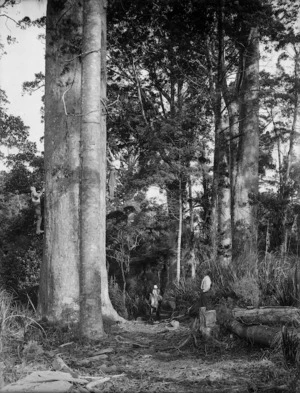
140,357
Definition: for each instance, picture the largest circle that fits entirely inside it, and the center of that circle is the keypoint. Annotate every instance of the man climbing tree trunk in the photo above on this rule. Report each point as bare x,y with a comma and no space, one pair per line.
92,195
59,281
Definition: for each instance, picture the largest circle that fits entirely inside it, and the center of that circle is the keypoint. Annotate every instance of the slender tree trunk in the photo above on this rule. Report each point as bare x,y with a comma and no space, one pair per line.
191,209
59,278
246,186
179,238
193,261
92,219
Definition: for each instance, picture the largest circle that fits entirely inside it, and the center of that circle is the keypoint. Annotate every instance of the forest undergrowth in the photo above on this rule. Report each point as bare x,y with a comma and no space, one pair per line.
144,356
141,356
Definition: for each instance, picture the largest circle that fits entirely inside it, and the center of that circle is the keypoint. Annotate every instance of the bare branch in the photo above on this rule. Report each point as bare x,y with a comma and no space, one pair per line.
82,54
8,17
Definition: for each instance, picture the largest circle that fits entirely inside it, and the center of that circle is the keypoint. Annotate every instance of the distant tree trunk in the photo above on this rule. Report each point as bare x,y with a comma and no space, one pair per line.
59,278
179,237
246,186
293,156
221,211
92,201
192,260
224,203
108,312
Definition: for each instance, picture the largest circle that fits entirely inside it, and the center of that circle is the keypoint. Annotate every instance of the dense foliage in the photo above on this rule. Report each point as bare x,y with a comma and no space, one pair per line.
163,74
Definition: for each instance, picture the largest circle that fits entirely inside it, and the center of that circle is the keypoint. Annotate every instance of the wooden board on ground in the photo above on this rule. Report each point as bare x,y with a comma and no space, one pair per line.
44,381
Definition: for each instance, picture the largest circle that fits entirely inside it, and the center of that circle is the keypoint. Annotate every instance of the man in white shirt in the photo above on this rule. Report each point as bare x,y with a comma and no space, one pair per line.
206,283
205,288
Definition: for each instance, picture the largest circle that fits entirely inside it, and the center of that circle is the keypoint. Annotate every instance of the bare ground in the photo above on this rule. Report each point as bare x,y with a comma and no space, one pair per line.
141,357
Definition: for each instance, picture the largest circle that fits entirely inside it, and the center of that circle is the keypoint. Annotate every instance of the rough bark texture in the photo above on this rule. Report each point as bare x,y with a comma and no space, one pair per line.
221,212
92,201
246,184
293,156
224,201
268,315
297,282
59,280
108,312
179,237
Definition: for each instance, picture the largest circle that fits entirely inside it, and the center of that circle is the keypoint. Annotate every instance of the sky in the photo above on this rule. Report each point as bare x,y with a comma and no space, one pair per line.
22,60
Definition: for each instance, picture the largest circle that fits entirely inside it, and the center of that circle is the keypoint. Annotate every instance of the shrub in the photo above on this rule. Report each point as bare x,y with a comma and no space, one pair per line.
184,294
136,305
276,279
13,318
247,291
116,297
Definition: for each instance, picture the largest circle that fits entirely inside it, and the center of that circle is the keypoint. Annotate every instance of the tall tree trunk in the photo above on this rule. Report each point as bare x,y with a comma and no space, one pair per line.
293,156
179,237
246,186
108,312
224,200
221,212
92,201
192,260
59,278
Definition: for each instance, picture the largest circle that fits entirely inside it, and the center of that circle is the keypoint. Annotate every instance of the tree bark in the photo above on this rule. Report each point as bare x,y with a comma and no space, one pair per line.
293,156
221,212
59,277
108,312
246,186
92,201
268,315
179,237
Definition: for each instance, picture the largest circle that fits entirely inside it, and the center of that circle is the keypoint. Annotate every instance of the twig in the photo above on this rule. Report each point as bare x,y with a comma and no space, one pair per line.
8,17
25,316
30,301
121,341
63,100
82,54
184,342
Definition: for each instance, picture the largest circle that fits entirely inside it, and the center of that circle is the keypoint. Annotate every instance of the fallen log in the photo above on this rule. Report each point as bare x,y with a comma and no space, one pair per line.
257,334
268,315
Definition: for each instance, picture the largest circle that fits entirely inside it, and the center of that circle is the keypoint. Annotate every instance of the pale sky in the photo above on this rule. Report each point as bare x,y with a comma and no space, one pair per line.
23,59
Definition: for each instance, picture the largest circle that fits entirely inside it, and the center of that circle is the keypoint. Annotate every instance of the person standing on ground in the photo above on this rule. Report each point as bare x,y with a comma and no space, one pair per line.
205,288
155,302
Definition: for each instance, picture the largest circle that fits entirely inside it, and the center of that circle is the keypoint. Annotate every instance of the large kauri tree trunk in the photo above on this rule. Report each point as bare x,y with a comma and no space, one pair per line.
221,199
293,156
108,312
246,184
59,279
92,196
